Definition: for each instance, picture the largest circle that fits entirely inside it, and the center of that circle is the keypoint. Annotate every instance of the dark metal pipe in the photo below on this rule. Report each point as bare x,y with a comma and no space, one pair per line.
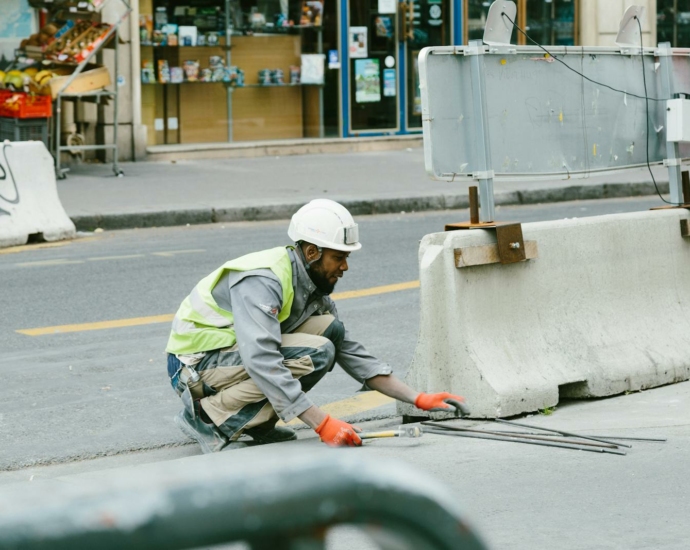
521,436
528,442
561,432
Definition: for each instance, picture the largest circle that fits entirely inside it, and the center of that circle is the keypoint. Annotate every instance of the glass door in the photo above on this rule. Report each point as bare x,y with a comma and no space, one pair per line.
373,66
425,23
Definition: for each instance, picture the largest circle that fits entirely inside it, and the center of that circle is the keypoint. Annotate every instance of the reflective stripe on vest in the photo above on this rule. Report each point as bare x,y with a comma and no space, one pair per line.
201,325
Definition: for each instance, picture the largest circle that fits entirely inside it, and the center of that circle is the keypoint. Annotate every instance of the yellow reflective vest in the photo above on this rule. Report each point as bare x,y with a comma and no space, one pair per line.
200,325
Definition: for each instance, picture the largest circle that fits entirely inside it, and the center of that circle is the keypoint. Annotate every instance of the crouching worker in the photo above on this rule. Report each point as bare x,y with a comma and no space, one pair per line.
259,332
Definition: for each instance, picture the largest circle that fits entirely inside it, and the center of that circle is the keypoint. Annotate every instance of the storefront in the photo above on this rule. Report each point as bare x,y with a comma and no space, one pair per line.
238,71
254,70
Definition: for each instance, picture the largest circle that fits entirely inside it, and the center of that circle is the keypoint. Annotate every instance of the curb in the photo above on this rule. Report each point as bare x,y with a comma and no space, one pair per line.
361,207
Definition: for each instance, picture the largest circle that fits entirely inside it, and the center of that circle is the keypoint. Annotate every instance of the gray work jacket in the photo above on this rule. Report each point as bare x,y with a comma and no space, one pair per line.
254,298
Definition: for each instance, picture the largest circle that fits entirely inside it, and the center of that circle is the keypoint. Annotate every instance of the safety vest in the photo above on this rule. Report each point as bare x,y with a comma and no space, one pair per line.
201,325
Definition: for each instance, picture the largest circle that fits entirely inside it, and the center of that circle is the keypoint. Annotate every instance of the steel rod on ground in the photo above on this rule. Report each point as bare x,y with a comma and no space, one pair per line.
650,439
521,436
561,432
528,442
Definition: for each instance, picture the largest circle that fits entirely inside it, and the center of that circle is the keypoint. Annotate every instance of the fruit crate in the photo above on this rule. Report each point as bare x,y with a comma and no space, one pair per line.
23,105
17,129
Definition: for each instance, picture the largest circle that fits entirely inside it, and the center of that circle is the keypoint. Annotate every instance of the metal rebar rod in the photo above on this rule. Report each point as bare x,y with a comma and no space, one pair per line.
568,434
529,442
521,436
650,439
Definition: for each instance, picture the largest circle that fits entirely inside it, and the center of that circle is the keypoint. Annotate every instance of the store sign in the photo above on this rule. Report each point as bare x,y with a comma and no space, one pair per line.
435,13
358,47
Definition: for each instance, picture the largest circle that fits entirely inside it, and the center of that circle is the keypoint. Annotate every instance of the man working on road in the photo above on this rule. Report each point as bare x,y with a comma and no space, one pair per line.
259,332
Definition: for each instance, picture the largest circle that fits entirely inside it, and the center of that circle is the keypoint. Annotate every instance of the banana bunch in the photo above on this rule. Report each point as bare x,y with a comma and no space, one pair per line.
42,77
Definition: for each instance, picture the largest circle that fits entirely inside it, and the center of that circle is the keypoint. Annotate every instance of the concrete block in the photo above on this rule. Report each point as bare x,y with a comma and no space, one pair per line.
29,202
605,308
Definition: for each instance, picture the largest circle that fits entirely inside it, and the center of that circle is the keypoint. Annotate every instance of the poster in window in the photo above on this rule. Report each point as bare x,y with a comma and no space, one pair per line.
389,82
358,42
367,81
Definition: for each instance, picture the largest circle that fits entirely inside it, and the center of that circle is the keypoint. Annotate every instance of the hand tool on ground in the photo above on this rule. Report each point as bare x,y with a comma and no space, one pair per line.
401,431
561,432
575,447
518,435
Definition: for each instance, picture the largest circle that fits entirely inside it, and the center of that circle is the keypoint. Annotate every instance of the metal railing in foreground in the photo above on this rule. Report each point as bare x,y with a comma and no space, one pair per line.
287,502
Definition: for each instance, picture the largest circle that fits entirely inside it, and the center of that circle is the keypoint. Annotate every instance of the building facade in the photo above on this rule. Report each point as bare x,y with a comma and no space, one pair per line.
203,73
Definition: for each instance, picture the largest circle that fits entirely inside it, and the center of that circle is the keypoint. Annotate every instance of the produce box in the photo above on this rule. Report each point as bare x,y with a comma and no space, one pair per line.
94,77
23,105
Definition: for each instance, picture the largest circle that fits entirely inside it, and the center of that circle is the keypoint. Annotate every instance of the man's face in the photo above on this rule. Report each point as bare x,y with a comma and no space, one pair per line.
328,269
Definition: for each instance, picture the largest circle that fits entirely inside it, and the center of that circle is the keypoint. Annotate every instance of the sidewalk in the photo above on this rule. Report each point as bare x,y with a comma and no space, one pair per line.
516,496
228,190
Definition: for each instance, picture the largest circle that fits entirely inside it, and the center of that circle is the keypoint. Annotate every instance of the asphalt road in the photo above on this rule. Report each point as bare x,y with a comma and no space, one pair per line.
90,393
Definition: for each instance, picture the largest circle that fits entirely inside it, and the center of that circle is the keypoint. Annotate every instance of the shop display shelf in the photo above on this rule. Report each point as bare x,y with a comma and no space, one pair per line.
231,86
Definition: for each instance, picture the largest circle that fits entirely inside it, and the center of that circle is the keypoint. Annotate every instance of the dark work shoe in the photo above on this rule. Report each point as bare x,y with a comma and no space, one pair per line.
272,434
207,436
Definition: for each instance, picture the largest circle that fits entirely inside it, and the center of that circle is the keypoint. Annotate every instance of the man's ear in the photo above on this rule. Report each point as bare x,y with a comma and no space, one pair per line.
311,252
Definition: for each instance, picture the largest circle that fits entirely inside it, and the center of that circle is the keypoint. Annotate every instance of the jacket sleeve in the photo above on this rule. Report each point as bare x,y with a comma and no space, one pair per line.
256,302
353,356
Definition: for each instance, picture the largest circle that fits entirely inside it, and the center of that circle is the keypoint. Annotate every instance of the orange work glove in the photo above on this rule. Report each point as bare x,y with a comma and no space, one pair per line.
441,402
337,433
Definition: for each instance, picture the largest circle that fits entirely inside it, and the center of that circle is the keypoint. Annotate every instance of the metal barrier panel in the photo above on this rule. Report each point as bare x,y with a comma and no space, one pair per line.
543,119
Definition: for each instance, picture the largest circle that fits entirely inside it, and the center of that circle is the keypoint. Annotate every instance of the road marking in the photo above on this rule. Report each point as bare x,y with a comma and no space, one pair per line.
127,257
137,321
375,290
101,325
360,403
43,263
175,252
28,247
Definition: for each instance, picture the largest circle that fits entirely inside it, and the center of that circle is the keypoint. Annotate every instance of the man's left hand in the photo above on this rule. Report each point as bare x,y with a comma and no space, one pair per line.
442,402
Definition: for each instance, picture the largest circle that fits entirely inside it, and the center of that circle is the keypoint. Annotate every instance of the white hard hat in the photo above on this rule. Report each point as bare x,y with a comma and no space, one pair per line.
327,224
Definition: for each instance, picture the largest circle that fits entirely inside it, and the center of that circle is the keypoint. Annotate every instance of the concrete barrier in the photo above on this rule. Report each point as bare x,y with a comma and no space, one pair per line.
603,309
29,203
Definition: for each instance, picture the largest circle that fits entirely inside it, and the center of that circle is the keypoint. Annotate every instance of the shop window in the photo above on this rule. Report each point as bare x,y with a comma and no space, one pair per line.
673,22
549,22
260,78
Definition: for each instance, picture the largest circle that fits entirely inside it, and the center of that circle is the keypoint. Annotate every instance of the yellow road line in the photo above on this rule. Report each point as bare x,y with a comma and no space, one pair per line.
136,321
43,263
27,247
359,403
127,257
375,290
101,325
174,252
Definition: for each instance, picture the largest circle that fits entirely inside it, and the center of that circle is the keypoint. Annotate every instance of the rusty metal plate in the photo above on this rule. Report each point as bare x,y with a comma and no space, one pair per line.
685,228
511,245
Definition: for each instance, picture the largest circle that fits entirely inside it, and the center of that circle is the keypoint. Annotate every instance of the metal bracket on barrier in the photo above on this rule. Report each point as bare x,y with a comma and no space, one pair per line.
473,50
483,175
510,245
673,162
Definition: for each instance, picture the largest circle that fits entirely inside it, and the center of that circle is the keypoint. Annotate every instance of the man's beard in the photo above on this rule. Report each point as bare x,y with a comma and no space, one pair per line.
318,277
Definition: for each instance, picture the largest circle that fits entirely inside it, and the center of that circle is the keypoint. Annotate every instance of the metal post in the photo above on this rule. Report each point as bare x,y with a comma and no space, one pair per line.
228,59
319,49
485,177
474,205
56,138
672,149
116,110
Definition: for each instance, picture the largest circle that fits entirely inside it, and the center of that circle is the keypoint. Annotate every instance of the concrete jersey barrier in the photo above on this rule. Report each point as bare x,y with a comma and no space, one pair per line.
29,202
603,309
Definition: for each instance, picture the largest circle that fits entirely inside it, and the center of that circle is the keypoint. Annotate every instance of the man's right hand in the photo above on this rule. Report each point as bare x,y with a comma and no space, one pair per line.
337,433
